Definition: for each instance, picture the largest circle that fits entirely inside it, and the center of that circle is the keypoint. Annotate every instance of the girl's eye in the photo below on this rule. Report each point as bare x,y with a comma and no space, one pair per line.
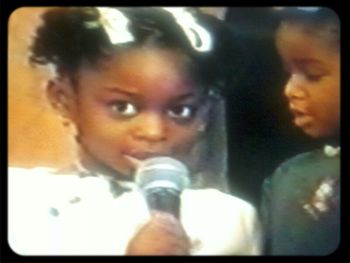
182,112
304,76
124,108
313,77
313,74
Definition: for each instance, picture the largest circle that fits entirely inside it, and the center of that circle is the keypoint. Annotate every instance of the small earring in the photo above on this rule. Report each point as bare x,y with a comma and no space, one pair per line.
77,138
65,121
71,129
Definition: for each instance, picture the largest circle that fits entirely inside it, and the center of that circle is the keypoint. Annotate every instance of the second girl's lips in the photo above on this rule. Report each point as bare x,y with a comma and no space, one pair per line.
297,111
301,117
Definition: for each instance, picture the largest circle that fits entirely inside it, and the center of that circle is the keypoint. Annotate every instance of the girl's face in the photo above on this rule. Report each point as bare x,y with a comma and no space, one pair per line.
313,88
135,106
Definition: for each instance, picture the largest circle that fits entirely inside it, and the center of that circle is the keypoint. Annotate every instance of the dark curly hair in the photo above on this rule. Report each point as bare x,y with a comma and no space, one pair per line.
65,41
319,20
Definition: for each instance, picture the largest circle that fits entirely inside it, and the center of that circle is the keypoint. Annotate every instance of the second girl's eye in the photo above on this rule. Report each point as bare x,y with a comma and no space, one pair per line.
313,77
182,112
124,108
313,73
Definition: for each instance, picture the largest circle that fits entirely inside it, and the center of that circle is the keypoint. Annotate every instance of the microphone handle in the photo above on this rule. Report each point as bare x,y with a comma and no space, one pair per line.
163,199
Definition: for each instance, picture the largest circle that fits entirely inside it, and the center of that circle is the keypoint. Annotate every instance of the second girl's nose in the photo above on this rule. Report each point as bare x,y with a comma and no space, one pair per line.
294,88
150,126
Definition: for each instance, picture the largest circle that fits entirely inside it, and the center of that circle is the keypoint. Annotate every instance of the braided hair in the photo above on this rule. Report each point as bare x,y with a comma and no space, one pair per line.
66,40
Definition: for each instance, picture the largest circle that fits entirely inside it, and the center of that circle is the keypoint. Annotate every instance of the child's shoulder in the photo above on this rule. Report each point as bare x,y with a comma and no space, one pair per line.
215,199
221,220
310,162
29,174
14,170
39,179
302,170
41,173
318,155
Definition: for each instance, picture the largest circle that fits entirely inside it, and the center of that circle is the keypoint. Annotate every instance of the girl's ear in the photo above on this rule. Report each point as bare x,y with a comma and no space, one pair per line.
61,97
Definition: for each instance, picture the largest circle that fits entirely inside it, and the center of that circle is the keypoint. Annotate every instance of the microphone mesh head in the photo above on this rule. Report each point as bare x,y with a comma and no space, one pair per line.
162,172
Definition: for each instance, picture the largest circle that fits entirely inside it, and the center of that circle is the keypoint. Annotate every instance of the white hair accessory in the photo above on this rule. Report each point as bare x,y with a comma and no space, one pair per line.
331,151
191,28
114,23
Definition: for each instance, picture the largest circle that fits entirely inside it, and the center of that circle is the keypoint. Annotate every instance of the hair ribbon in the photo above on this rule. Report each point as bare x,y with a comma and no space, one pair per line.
114,23
191,28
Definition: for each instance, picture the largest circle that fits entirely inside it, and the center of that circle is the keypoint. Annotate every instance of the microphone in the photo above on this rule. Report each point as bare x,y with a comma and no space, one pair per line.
162,179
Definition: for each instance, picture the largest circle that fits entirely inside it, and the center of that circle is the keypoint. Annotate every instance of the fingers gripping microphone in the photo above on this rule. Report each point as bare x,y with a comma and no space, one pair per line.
162,179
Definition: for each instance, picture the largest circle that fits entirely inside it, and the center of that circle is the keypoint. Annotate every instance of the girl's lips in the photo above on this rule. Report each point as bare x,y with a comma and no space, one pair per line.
134,161
298,112
145,155
298,109
301,116
137,158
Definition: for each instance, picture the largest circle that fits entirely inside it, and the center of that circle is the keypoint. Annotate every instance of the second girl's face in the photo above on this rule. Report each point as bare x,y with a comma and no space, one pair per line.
135,106
313,88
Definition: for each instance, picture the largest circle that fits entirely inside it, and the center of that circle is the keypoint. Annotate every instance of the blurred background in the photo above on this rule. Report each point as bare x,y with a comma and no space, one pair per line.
36,136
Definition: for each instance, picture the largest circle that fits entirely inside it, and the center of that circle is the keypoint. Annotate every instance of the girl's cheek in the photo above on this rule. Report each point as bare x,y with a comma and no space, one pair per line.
189,141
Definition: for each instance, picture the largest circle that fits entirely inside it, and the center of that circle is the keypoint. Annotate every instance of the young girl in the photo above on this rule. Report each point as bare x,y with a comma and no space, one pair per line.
135,83
301,200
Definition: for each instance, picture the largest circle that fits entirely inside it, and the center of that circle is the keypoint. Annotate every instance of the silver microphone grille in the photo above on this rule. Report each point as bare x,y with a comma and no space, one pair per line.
162,172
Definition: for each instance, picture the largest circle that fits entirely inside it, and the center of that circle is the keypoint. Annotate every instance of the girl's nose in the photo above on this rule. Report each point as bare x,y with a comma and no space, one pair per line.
151,127
294,88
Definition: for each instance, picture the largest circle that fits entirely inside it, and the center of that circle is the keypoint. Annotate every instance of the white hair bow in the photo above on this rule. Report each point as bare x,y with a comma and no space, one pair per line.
191,28
114,23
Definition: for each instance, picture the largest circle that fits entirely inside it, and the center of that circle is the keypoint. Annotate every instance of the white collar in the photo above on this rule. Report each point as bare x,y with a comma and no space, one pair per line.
331,151
119,184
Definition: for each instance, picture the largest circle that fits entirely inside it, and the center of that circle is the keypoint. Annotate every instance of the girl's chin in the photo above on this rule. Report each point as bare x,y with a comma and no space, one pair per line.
314,132
303,121
124,170
120,172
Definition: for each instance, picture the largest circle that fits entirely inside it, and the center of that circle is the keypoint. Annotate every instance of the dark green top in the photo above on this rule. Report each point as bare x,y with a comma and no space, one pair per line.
300,205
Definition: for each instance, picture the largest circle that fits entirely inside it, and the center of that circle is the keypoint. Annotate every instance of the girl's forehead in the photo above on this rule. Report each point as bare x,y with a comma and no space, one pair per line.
142,68
144,52
299,47
152,58
148,62
320,35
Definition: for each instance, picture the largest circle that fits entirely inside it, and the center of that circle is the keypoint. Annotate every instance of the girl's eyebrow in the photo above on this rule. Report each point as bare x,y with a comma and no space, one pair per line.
308,61
185,96
132,93
311,64
115,89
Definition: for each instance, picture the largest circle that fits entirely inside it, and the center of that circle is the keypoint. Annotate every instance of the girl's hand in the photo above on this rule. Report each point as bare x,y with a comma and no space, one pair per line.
163,234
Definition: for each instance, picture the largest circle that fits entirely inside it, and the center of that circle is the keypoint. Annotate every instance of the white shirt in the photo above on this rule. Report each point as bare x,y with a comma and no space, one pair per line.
71,215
